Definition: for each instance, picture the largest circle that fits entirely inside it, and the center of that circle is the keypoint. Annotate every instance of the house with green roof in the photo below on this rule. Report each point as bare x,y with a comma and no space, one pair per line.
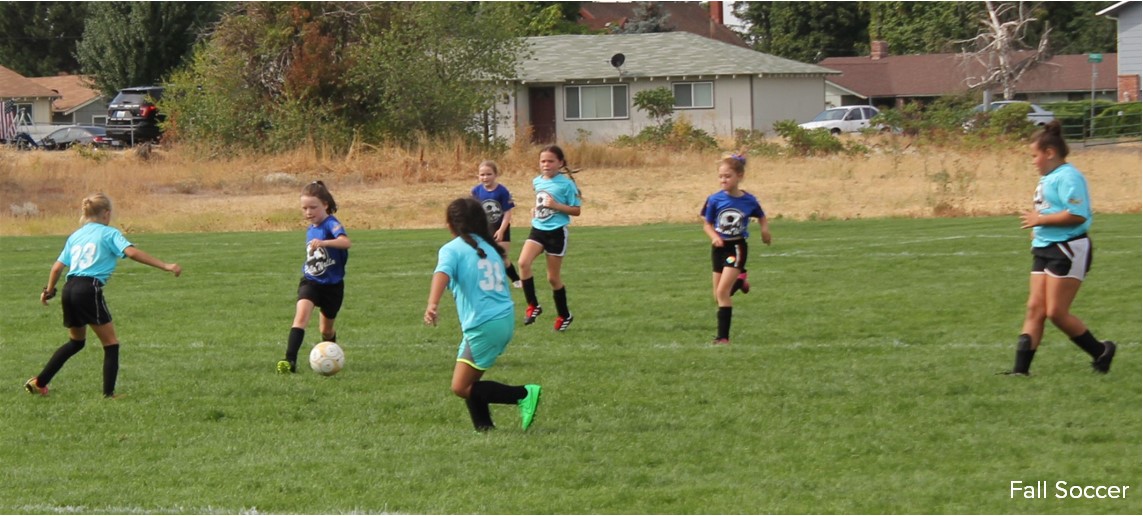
574,87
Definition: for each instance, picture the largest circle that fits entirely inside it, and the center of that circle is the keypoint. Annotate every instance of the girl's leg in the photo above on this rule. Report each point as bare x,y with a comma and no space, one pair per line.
511,269
464,377
723,283
302,314
106,334
1032,331
325,325
528,254
1061,292
559,292
77,339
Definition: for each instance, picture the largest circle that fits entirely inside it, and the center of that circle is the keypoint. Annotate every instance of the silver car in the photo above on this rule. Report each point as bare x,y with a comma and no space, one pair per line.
1037,115
845,119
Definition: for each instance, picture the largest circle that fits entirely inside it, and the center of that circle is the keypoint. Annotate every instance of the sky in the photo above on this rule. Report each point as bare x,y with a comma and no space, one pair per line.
728,18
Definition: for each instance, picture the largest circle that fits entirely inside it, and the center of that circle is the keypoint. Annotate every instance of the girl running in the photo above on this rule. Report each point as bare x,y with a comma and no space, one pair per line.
726,215
497,203
557,201
90,255
323,274
471,266
1061,253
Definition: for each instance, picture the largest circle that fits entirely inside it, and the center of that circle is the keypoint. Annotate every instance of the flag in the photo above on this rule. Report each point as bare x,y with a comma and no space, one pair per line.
8,121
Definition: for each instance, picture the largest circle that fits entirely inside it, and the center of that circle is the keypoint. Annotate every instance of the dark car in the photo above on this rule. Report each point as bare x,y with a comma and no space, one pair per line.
132,116
66,137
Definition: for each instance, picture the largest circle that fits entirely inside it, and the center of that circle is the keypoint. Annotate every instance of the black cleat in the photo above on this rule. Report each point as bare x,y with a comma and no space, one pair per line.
1103,364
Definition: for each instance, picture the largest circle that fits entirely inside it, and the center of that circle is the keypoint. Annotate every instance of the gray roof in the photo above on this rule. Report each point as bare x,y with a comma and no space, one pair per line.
664,54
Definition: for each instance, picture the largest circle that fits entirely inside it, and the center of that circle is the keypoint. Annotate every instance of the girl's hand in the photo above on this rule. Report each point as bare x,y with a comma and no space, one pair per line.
46,295
431,315
766,237
1030,219
314,244
499,236
173,268
717,242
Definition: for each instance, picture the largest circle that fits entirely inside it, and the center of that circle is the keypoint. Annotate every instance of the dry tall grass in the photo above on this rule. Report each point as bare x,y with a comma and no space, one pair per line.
407,187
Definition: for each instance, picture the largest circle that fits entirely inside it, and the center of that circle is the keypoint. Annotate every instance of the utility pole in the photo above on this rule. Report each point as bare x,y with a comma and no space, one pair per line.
1094,59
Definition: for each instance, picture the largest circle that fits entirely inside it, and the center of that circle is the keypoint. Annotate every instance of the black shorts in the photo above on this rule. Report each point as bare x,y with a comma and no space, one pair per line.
83,302
493,228
731,254
1071,259
328,297
554,242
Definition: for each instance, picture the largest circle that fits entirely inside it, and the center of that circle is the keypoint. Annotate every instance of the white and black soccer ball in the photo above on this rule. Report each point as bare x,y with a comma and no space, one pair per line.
327,358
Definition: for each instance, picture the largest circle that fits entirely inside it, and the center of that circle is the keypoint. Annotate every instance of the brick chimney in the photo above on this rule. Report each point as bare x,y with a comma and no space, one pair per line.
878,49
716,12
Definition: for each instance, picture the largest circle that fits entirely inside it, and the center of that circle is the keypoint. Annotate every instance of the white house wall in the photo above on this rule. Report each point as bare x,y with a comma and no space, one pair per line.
1130,39
782,98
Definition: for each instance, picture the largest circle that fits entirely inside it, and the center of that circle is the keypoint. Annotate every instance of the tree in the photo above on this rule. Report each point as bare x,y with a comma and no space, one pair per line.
658,103
646,17
138,43
1000,47
1075,28
39,38
805,31
923,27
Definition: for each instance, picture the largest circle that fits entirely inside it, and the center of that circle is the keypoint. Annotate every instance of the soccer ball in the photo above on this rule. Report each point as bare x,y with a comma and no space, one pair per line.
327,358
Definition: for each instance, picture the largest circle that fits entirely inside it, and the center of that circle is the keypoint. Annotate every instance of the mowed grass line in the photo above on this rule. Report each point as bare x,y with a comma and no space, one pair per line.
860,380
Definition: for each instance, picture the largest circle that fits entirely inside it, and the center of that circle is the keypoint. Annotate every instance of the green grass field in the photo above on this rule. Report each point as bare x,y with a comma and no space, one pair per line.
861,379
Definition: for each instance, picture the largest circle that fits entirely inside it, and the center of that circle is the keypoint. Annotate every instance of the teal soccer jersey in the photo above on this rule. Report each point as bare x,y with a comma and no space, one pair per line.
1063,189
93,251
477,284
560,188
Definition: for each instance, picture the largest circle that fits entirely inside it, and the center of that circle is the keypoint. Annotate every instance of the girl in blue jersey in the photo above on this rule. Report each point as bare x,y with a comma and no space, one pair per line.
90,255
471,266
497,203
726,216
323,274
1061,253
557,201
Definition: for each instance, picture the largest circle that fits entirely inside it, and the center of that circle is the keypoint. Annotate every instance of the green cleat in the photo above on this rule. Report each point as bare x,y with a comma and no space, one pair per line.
284,367
528,405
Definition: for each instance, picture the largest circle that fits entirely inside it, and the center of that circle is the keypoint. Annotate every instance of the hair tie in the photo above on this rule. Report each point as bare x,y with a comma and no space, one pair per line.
738,157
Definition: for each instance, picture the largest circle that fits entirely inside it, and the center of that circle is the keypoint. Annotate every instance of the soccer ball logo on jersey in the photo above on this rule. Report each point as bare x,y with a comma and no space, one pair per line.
317,261
493,210
730,222
543,212
1038,201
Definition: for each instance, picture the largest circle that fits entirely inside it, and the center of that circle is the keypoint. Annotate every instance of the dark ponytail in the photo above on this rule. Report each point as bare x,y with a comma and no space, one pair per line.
465,217
1051,136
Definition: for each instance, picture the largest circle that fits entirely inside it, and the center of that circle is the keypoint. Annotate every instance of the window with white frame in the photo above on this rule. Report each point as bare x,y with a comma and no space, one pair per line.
98,119
595,102
694,95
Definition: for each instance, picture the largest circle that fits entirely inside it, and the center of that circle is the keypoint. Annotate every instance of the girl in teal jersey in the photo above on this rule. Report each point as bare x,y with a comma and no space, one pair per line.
90,255
471,266
557,201
1061,253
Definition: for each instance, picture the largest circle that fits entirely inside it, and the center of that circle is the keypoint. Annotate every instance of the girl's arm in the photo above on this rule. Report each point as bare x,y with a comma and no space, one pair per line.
549,202
715,240
436,290
53,278
138,255
505,221
765,223
341,242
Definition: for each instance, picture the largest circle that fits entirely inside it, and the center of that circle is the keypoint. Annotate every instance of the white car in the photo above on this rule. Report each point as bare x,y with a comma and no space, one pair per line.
1037,115
845,119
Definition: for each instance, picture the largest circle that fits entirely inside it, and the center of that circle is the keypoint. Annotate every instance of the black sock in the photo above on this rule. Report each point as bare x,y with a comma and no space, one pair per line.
495,392
1024,354
530,291
293,345
512,274
561,296
724,314
1088,343
62,354
481,416
110,369
329,338
737,286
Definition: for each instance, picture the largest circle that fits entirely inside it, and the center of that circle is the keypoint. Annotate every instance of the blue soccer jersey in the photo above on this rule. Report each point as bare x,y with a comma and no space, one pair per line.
93,251
1063,189
495,203
325,265
561,189
477,284
730,215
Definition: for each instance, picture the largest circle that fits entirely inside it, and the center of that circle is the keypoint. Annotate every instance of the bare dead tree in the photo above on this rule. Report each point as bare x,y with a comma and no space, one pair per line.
1000,47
